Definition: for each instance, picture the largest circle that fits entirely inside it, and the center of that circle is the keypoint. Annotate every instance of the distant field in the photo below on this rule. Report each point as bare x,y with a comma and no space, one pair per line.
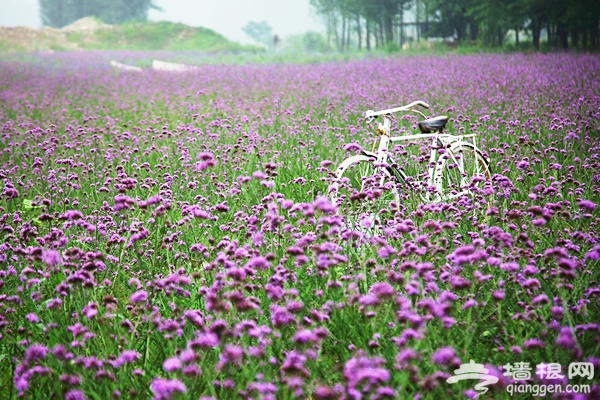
167,235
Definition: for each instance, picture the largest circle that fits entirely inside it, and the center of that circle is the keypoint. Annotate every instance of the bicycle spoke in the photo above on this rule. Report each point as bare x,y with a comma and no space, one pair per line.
363,193
462,175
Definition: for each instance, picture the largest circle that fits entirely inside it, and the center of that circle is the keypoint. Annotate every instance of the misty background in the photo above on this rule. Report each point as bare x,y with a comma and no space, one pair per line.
227,17
342,25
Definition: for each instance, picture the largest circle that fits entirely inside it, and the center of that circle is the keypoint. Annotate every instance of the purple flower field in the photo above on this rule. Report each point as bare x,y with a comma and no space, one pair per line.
168,235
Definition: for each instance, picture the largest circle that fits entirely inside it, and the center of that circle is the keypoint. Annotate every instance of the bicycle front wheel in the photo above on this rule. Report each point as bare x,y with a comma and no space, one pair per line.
364,194
462,175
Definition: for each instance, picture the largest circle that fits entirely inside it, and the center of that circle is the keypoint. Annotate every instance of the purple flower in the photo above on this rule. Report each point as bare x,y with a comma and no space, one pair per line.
172,364
54,303
232,354
541,298
364,374
594,254
36,352
164,389
566,339
71,215
90,310
539,222
205,156
322,203
139,296
498,294
191,370
522,164
31,317
587,205
304,336
325,393
59,351
469,303
259,175
75,394
198,213
533,344
207,340
404,356
258,262
129,356
294,364
156,199
382,290
51,258
266,389
444,356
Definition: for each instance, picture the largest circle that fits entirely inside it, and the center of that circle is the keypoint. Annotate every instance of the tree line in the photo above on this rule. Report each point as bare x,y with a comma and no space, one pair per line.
380,23
59,13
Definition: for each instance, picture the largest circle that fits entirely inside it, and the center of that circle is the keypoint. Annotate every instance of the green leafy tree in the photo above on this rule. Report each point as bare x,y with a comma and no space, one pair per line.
452,19
54,13
496,18
260,32
329,10
58,13
568,23
380,19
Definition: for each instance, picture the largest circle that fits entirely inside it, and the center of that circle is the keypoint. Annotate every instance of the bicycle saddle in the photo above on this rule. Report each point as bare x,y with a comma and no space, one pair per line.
433,124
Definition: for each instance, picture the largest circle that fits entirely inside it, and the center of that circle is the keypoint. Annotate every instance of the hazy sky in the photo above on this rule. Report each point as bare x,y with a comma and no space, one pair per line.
226,17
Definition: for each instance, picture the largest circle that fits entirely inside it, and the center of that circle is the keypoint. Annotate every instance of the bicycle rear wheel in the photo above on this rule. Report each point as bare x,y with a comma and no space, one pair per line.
462,176
365,195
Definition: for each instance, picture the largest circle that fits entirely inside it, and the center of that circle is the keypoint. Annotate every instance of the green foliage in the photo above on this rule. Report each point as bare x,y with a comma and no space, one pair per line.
6,46
362,22
314,41
161,35
310,42
58,13
261,32
392,47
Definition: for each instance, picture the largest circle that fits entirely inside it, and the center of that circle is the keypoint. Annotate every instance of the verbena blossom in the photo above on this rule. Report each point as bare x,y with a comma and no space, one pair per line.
139,296
164,389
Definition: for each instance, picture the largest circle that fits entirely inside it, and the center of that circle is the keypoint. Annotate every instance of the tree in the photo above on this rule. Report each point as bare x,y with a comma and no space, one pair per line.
54,13
568,23
329,11
261,32
493,18
58,13
452,19
537,17
343,17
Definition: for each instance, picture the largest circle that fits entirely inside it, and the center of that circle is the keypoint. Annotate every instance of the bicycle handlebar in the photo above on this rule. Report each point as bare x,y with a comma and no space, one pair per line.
408,107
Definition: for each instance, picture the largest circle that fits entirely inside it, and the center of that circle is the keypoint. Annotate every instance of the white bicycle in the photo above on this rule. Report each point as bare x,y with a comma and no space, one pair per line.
369,184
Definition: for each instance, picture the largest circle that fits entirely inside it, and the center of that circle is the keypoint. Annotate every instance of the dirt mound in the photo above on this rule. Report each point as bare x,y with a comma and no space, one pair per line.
21,38
84,24
91,34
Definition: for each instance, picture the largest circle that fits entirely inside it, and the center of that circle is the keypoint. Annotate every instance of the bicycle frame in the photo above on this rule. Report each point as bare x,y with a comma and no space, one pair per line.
438,140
